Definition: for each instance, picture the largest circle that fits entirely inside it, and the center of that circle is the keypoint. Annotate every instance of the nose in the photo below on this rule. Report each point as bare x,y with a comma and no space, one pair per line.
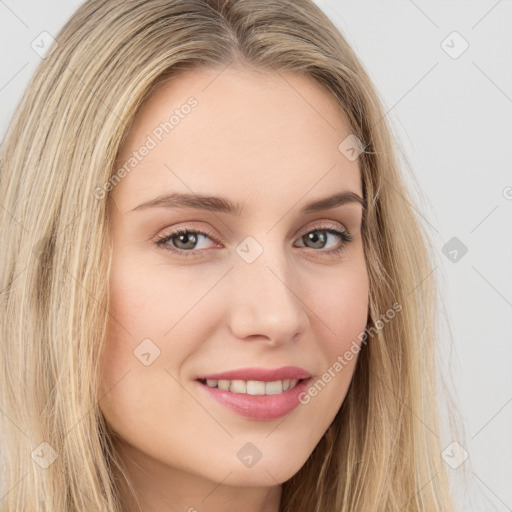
267,302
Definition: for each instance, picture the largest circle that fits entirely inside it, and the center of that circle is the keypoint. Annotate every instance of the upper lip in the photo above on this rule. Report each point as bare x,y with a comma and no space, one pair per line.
260,374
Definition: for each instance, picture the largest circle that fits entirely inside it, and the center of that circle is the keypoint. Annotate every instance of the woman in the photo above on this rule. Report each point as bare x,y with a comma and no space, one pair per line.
213,280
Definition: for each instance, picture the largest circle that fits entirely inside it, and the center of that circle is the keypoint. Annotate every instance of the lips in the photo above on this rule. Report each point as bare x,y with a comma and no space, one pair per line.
258,406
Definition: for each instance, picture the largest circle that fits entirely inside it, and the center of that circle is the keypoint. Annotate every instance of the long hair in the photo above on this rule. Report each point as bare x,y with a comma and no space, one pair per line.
382,452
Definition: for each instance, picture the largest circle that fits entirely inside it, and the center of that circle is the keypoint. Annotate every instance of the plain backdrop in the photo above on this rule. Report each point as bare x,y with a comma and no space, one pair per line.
443,70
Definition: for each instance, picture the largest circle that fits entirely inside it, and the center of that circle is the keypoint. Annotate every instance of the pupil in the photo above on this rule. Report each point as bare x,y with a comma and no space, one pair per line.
187,238
318,240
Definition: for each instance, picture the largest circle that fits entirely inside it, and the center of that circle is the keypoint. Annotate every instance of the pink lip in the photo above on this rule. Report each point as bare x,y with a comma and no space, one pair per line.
259,407
261,374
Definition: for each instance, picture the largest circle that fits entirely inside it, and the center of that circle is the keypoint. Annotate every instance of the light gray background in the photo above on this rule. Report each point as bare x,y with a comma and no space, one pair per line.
453,117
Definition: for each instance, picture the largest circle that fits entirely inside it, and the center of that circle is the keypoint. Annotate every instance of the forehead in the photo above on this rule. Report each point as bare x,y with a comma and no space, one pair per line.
222,131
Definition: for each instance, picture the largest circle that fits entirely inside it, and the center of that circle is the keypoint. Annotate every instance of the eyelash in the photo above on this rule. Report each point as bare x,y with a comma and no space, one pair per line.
345,236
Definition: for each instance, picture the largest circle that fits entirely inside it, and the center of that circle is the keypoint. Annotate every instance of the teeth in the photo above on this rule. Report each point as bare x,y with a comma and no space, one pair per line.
238,386
274,388
253,387
223,384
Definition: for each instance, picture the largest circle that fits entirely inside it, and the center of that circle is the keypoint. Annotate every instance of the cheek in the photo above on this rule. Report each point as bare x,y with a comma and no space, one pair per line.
136,316
155,303
135,395
341,304
346,309
147,300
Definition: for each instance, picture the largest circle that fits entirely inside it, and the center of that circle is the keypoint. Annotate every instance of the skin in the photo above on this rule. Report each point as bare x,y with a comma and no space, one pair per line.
270,142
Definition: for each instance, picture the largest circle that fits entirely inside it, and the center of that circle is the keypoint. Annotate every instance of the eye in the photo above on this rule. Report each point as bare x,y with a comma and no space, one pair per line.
321,236
184,241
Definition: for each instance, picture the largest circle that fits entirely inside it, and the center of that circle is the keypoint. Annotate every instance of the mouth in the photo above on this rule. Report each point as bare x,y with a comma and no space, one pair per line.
253,399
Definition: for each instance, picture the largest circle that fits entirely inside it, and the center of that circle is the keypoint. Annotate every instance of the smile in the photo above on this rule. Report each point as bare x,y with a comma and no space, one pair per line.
257,393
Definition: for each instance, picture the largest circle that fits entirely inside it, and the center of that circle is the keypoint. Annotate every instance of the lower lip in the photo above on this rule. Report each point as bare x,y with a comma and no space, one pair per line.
259,407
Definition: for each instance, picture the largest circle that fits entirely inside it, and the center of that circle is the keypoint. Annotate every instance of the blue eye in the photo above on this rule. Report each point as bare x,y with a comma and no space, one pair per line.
188,242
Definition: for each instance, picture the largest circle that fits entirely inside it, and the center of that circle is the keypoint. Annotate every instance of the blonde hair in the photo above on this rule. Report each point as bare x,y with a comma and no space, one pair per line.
382,452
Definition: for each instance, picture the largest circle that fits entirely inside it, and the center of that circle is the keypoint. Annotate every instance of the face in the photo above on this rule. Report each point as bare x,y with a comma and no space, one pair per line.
260,280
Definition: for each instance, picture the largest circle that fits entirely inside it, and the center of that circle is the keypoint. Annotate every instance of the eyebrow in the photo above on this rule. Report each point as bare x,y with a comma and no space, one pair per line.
220,204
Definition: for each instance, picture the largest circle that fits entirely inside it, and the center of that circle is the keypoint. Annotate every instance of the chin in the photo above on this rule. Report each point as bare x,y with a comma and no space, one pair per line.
266,472
264,476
